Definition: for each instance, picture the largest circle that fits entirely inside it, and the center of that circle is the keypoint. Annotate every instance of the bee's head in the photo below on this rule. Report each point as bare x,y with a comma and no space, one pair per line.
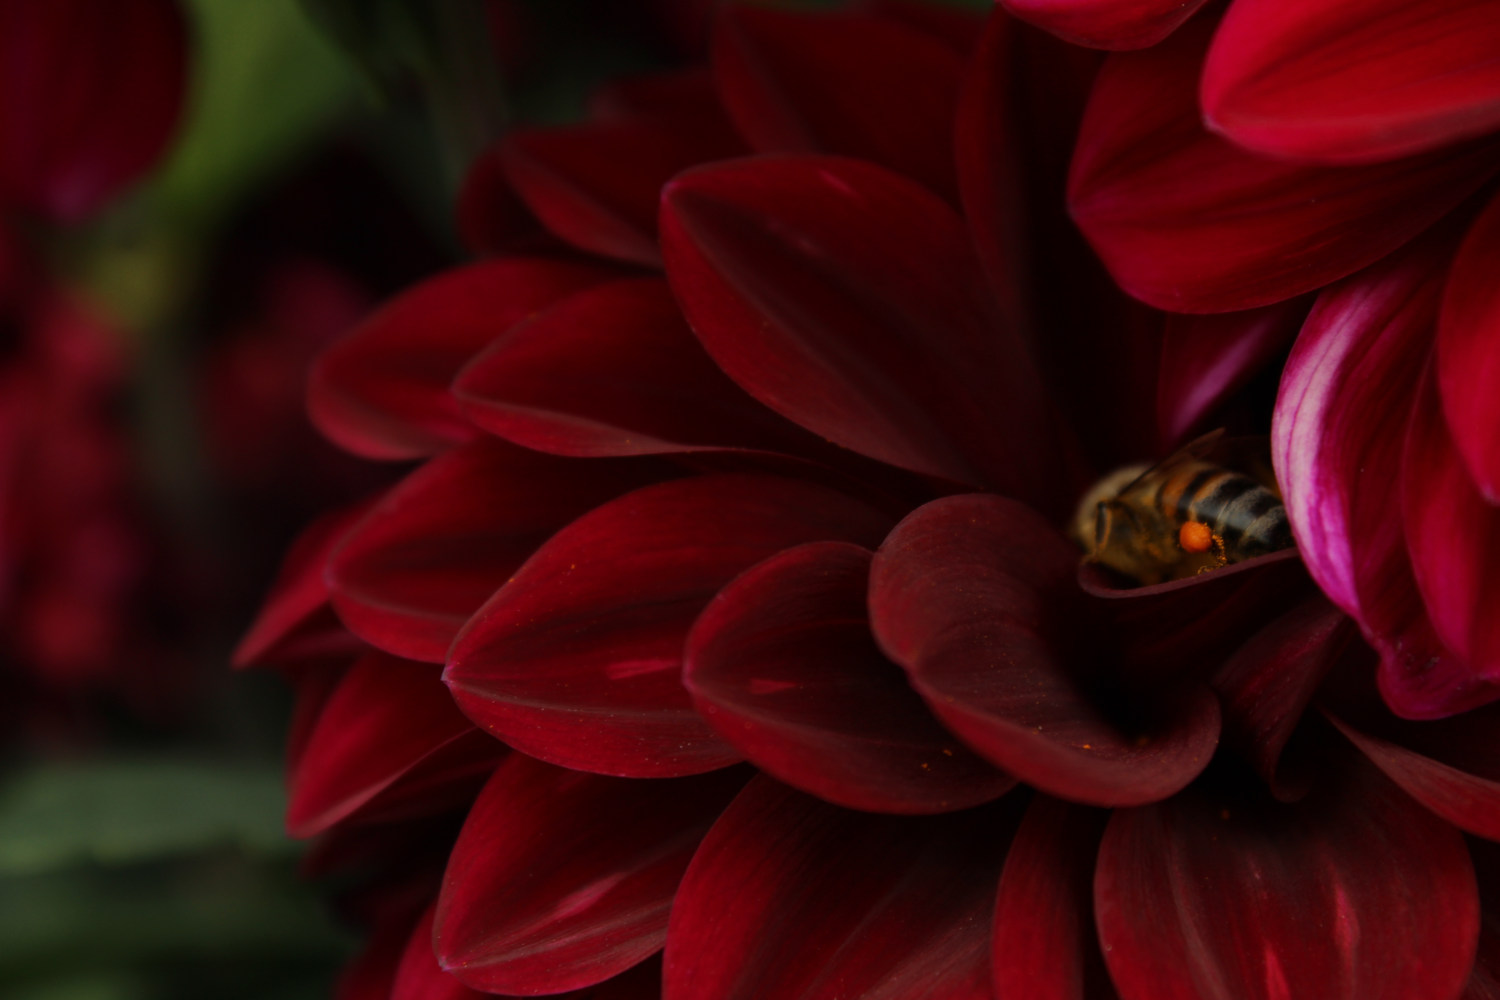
1099,515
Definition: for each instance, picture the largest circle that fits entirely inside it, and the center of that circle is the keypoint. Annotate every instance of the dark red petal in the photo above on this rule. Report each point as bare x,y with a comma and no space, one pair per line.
418,975
1106,24
382,391
783,665
1205,359
971,595
373,971
848,299
1045,947
435,547
560,880
293,620
1355,893
1452,536
1353,81
90,92
611,371
490,217
1189,223
596,185
791,897
578,658
389,738
845,83
1468,351
1341,417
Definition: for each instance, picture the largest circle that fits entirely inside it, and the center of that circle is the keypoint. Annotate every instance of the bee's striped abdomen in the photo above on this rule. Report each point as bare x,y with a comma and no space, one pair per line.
1249,518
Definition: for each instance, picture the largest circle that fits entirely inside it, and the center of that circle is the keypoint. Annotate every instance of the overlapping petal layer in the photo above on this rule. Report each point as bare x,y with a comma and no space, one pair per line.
1468,351
1106,24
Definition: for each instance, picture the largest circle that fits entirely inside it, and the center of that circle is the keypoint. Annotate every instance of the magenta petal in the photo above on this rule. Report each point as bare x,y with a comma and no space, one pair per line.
1045,947
845,83
382,391
435,547
1106,24
1356,893
974,596
849,299
418,975
791,897
783,665
611,371
1204,359
1468,351
1353,81
578,658
1187,222
560,880
388,731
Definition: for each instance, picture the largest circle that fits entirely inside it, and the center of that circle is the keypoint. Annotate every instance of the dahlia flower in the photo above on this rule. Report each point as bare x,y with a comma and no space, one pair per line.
730,607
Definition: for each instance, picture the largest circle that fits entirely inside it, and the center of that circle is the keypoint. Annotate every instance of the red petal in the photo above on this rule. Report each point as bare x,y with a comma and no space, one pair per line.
489,215
1045,946
1205,359
435,547
783,665
1106,24
1189,223
560,880
791,897
1356,893
974,596
1452,535
90,92
388,739
1340,419
611,371
1353,81
578,658
597,185
845,83
849,299
1468,351
418,975
382,391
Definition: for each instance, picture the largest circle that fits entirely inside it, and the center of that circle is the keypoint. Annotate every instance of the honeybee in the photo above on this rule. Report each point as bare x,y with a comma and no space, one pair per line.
1183,516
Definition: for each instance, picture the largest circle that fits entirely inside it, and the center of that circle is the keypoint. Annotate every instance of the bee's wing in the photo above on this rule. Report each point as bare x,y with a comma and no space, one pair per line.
1198,448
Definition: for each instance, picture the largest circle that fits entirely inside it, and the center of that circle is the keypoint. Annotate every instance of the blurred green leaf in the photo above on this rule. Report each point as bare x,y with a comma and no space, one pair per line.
114,812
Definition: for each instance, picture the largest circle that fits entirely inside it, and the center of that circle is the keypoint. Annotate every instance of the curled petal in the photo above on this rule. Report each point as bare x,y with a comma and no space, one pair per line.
611,371
435,547
1353,81
974,596
830,904
1468,352
578,658
382,391
418,975
1355,893
388,738
1187,222
849,299
783,665
1106,24
561,880
846,83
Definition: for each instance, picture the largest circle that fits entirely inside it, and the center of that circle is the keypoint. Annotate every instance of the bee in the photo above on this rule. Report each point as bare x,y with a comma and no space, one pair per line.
1183,516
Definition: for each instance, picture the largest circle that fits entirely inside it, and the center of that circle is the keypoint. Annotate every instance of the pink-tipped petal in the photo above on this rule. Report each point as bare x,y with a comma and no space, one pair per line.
612,371
974,596
783,665
560,880
433,549
1188,222
1468,351
382,391
1355,893
846,83
1106,24
849,299
1353,81
791,897
578,658
1045,946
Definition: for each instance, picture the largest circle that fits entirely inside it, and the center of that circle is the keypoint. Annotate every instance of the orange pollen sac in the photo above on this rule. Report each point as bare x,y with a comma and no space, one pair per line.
1196,536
